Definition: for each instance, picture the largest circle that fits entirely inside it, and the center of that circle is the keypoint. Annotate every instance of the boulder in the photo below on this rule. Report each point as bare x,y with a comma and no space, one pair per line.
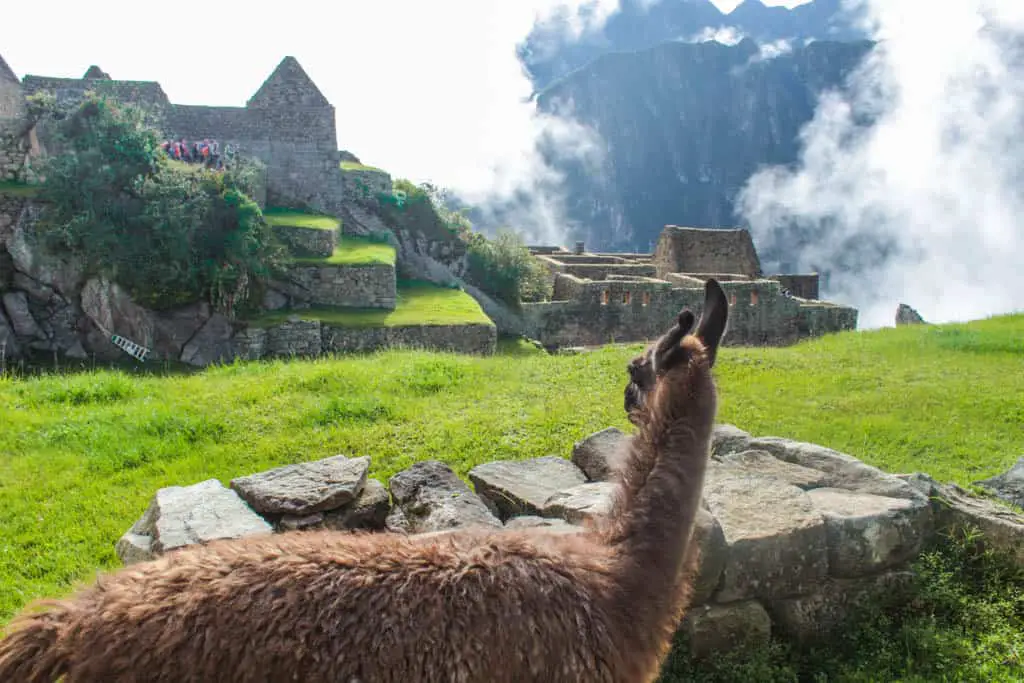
25,326
518,487
304,488
9,347
63,273
183,515
714,553
113,311
727,438
776,539
764,463
905,315
211,344
552,524
301,522
1009,485
868,533
368,511
429,496
716,629
842,471
599,454
581,502
174,328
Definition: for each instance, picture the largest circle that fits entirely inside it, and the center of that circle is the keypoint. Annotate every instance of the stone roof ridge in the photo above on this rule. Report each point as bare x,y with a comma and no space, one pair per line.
288,85
6,72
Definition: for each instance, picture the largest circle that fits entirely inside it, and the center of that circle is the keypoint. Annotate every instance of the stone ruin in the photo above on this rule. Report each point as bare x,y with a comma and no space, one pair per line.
599,298
792,535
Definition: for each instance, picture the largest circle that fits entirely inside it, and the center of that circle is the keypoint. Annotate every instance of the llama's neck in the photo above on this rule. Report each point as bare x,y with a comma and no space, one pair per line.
662,482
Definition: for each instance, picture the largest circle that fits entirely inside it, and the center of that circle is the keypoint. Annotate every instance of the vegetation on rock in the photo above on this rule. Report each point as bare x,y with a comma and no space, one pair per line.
298,219
168,233
503,267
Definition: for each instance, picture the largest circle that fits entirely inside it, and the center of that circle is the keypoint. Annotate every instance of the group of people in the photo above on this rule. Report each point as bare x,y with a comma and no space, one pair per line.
206,152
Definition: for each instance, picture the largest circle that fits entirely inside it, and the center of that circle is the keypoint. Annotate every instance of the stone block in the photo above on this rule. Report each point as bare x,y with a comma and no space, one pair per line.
429,497
599,454
716,629
517,487
576,504
304,488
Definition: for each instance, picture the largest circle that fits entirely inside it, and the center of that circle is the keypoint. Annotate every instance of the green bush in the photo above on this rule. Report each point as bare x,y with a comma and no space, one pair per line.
504,268
169,233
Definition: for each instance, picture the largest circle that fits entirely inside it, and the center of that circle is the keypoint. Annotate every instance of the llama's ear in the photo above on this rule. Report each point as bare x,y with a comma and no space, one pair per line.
713,319
670,340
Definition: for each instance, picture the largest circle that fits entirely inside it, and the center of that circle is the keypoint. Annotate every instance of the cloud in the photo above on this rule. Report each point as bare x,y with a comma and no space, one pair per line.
925,205
726,35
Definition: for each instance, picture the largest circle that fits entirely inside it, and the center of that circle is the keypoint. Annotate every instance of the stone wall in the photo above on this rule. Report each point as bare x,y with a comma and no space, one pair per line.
803,286
307,241
371,286
477,339
694,250
365,185
13,123
792,535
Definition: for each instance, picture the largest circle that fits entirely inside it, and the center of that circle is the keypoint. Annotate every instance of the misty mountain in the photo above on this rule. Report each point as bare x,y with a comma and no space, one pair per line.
549,52
684,126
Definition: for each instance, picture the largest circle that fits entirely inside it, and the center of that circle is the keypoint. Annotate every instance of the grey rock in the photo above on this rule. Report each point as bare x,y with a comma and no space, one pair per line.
600,454
905,315
174,328
396,522
304,488
843,471
552,524
63,273
16,305
776,539
814,618
431,497
9,347
868,533
764,463
274,300
211,344
133,547
77,351
715,629
113,311
582,502
301,522
714,554
179,516
1009,485
369,511
518,487
727,438
36,291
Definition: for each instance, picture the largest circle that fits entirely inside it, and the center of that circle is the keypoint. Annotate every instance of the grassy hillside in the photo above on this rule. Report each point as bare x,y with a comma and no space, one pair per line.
80,455
355,251
298,219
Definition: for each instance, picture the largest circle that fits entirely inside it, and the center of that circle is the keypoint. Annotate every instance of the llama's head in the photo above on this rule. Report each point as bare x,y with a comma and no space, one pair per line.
677,345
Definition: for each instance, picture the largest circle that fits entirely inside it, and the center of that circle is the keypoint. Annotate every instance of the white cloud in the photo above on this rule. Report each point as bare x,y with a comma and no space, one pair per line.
726,35
927,203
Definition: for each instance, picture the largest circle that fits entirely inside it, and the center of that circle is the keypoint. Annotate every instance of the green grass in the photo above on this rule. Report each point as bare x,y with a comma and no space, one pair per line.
355,251
353,166
81,455
297,219
418,304
16,189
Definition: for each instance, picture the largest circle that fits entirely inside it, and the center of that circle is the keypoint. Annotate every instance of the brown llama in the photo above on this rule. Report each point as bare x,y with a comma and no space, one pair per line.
464,606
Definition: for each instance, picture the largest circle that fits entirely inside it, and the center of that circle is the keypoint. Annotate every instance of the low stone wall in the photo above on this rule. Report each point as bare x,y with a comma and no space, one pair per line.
473,339
365,185
803,286
307,241
371,286
792,535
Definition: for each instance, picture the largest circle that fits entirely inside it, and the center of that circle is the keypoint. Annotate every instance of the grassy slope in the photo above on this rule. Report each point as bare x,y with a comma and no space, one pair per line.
297,219
80,456
353,166
15,189
355,251
418,304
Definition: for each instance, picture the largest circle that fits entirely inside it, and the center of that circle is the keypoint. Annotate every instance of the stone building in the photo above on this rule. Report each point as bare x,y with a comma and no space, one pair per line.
605,298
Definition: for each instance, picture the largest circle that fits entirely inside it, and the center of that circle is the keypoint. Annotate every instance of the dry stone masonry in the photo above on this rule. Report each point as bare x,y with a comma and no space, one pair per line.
792,535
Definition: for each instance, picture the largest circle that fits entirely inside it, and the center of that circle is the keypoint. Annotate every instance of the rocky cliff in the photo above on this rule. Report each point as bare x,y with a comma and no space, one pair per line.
685,125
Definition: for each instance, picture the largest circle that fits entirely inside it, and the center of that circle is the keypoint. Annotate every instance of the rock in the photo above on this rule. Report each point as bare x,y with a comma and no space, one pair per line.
9,347
304,488
77,351
36,291
183,515
715,629
62,273
776,539
809,619
433,498
396,522
174,328
868,533
1008,486
369,511
517,487
113,311
576,504
212,343
274,300
298,523
714,553
843,471
955,509
600,453
25,326
552,524
727,438
905,315
764,463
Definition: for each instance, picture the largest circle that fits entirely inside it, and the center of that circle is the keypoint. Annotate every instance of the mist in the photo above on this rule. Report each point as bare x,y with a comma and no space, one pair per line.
910,183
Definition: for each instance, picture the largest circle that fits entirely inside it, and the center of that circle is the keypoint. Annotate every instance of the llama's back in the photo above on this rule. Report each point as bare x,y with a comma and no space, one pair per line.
339,607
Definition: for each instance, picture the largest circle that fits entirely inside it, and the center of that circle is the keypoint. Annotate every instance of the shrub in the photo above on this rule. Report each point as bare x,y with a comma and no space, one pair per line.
504,268
167,232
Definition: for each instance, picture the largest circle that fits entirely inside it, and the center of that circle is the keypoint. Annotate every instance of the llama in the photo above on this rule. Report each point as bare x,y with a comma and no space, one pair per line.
468,605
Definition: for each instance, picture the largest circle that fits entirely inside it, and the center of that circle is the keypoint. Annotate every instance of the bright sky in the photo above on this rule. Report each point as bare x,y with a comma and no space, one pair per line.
427,90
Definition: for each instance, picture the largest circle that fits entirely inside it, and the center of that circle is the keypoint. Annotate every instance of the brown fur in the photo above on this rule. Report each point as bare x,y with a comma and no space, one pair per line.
470,605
